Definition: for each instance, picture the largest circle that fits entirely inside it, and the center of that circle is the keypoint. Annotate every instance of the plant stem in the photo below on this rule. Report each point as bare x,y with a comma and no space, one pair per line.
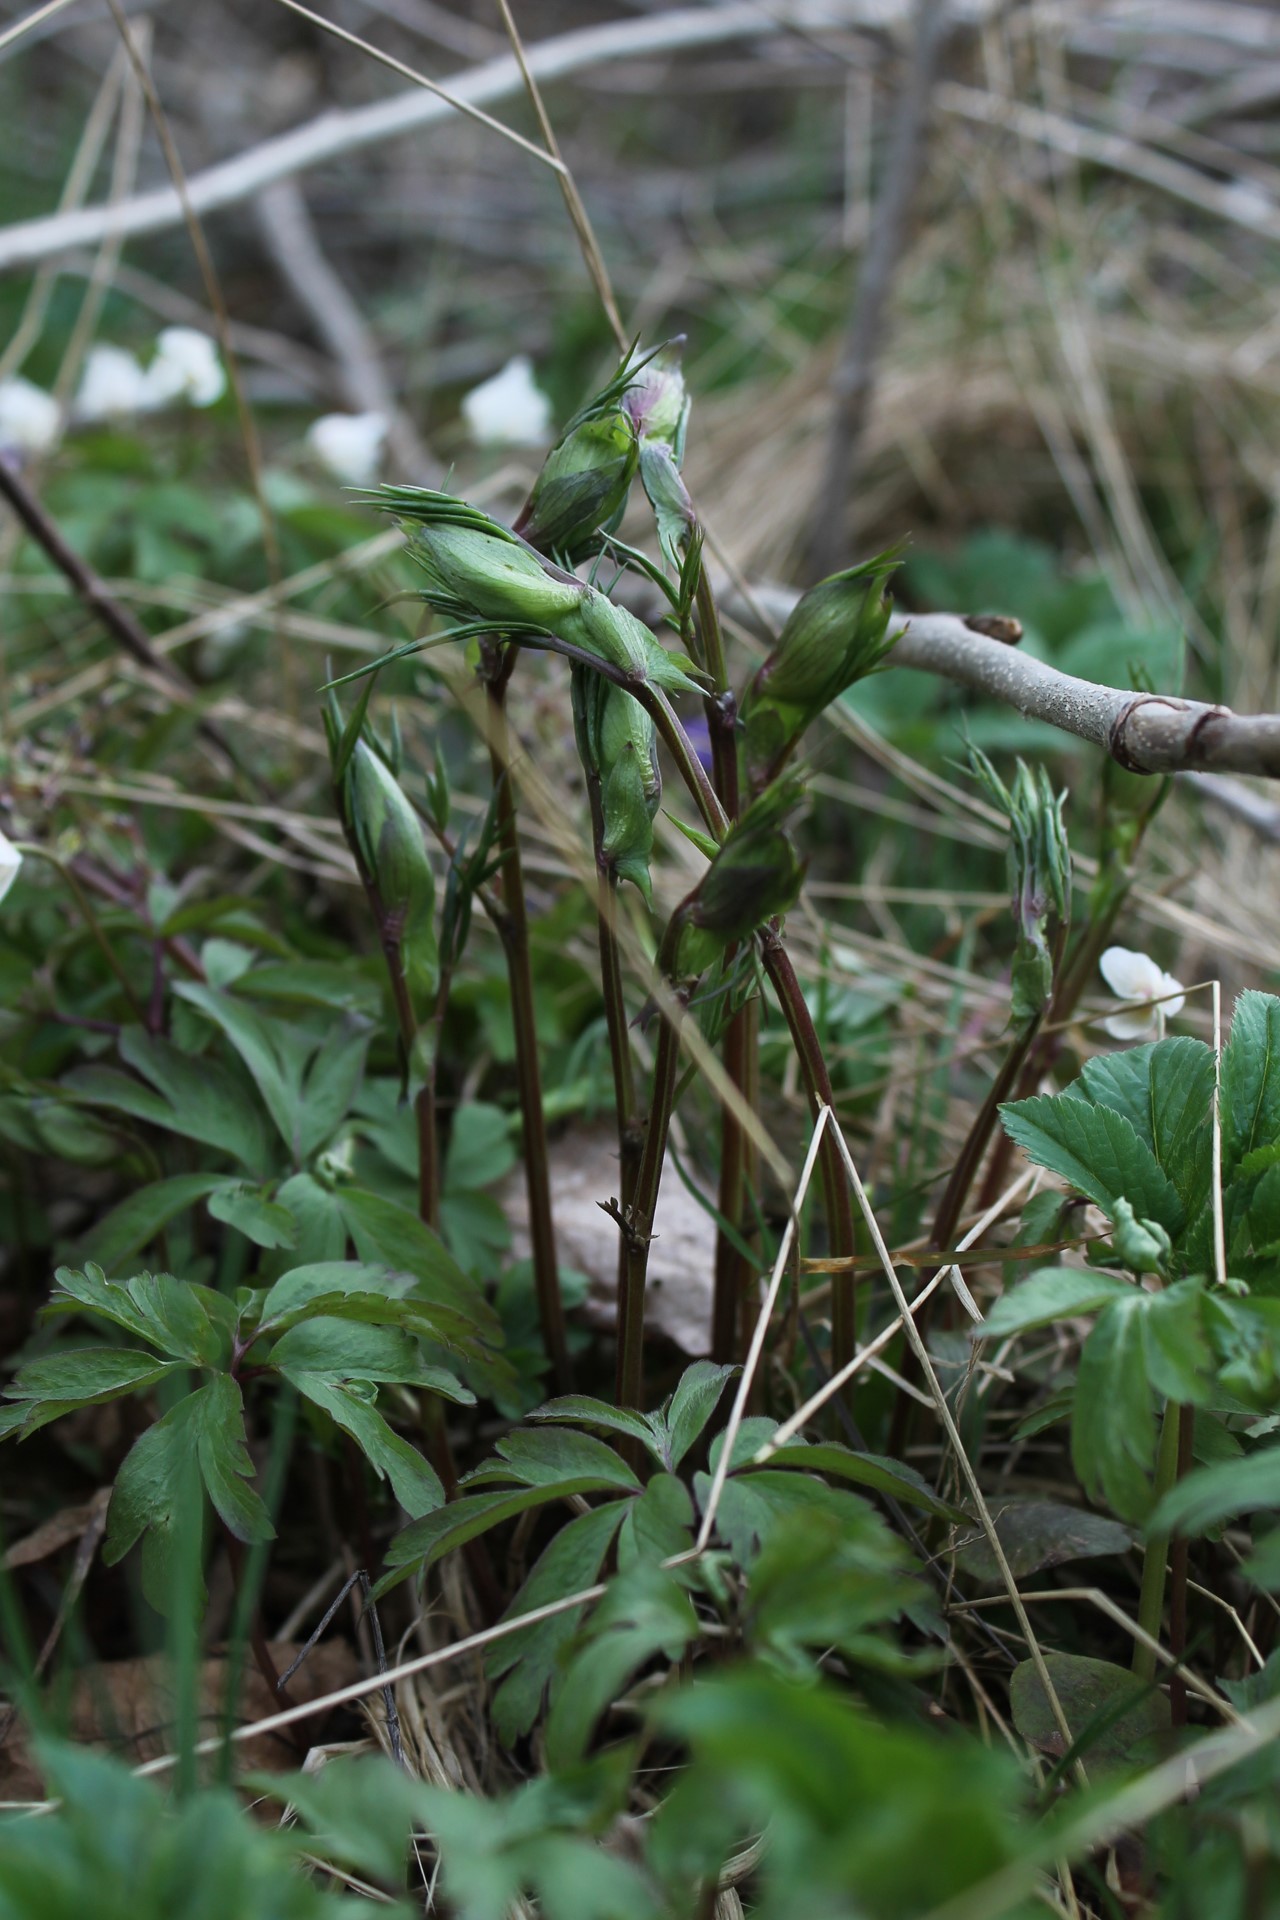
513,930
1178,1556
836,1197
1151,1596
737,1175
678,744
638,1222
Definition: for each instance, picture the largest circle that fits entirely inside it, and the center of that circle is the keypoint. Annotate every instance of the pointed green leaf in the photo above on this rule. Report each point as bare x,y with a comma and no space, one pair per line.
1113,1426
414,1481
1098,1151
1055,1293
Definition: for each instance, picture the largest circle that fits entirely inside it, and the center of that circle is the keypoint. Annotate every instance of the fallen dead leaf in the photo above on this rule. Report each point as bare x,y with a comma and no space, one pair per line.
127,1706
584,1172
59,1530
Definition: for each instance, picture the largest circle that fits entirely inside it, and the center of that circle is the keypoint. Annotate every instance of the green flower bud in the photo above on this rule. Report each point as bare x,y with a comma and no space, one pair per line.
491,576
393,857
667,494
618,744
837,633
1039,874
655,400
756,874
583,485
1143,1245
608,632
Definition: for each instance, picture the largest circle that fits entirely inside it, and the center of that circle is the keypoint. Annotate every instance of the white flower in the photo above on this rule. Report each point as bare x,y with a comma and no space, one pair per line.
10,861
186,368
1135,976
508,410
28,416
112,385
349,445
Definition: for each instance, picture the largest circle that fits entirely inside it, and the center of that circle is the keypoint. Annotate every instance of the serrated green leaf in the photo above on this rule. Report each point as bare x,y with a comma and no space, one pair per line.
658,1525
690,1407
137,1221
385,1231
870,1470
187,1323
583,1411
198,1099
251,1213
1113,1425
529,1659
421,1545
645,1614
58,1382
1178,1360
547,1455
414,1481
1251,1079
1207,1496
1165,1091
1098,1151
202,1436
1055,1293
350,1350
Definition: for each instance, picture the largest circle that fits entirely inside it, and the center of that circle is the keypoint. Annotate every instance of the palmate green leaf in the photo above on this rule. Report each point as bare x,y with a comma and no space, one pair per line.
870,1470
1098,1151
186,1322
681,1422
544,1458
1207,1496
251,1213
820,1582
1113,1424
353,1350
581,1410
307,1083
753,1504
658,1525
528,1661
414,1481
320,1228
204,1433
645,1613
197,1099
136,1222
1055,1293
421,1545
1251,1080
382,1230
58,1383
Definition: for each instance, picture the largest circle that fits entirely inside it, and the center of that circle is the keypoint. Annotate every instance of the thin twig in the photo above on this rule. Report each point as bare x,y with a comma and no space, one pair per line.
590,246
117,619
335,133
854,380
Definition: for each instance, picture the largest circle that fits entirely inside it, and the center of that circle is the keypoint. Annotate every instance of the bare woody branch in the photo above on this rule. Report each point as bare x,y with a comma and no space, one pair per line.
1146,732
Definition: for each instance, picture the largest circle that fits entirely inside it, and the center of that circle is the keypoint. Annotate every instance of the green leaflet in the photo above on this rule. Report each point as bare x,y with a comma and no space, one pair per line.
1099,1151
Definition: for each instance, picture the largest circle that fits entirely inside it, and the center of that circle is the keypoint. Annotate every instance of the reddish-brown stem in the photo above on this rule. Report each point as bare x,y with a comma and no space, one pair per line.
513,930
836,1197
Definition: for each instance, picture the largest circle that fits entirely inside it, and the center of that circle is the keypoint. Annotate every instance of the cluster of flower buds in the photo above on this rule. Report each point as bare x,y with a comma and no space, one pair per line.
483,575
755,874
618,746
387,839
1039,874
837,633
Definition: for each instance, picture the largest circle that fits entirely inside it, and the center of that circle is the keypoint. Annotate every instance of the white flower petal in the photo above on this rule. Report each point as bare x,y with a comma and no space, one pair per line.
10,861
1171,1008
186,368
509,410
1140,1024
1130,975
112,385
28,416
349,445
